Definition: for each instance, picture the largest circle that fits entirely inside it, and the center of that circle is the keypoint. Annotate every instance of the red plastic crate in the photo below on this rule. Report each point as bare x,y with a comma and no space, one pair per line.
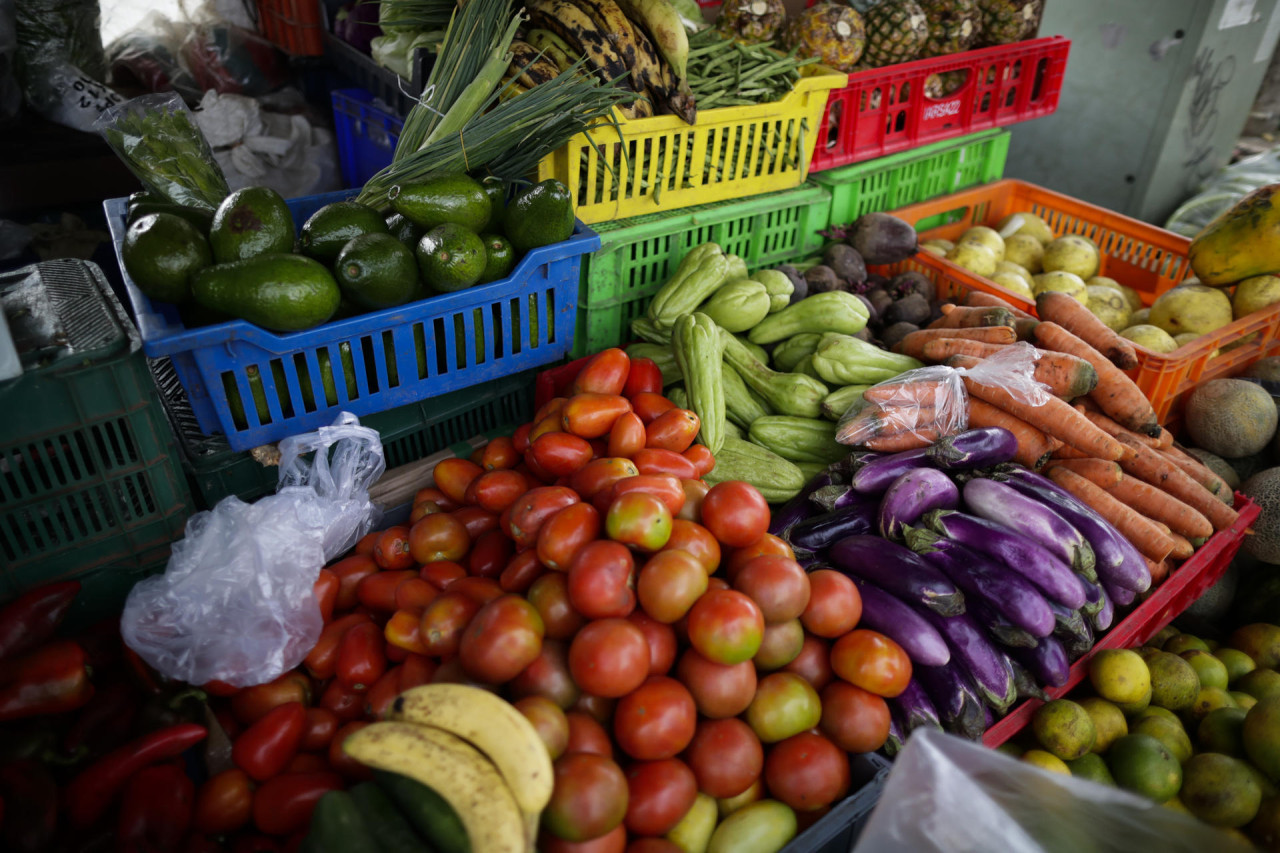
885,110
1183,586
295,26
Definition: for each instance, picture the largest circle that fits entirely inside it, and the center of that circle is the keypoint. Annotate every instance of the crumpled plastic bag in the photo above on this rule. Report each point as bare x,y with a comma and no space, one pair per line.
948,795
1222,190
62,93
236,601
916,408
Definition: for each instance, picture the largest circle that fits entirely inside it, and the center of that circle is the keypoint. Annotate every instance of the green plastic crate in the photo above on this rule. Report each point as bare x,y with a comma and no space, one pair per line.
888,183
637,255
408,433
90,476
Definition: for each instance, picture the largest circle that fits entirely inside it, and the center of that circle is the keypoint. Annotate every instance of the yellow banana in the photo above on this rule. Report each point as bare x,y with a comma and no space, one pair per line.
664,26
528,65
610,20
553,47
493,726
576,27
453,769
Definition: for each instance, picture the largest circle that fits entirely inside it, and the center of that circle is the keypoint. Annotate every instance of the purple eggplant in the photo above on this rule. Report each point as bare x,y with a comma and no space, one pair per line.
977,448
1026,683
898,571
896,740
844,469
818,532
980,577
912,495
916,708
1052,576
1076,638
902,624
1001,629
836,496
1104,613
1032,519
1093,598
877,475
988,717
1047,662
1116,559
1068,622
1120,595
986,667
800,507
956,699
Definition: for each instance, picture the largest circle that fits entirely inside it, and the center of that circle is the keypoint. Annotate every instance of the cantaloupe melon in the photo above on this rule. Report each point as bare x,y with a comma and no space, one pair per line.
1217,465
1264,488
1230,417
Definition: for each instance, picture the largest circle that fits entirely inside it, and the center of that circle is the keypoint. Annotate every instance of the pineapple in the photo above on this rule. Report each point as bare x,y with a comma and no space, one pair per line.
751,20
1007,21
896,32
833,33
953,26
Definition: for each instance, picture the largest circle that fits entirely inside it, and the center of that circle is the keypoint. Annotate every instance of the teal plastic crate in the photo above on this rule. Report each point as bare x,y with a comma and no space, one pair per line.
90,476
637,255
900,179
409,433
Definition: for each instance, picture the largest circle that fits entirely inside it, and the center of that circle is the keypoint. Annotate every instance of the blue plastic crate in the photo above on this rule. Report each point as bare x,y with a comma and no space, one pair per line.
366,134
392,357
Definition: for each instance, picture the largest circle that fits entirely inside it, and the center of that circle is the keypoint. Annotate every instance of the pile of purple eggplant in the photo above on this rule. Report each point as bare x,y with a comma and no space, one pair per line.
991,577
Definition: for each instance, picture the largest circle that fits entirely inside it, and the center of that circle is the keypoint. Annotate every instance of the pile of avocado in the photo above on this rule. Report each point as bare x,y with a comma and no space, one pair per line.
446,234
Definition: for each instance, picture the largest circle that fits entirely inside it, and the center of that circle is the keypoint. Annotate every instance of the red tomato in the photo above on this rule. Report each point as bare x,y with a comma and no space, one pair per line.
661,639
834,607
500,453
718,690
383,692
433,495
364,547
554,406
361,661
415,594
644,376
253,703
725,626
652,845
694,539
476,519
695,492
496,490
654,460
735,513
403,631
502,639
520,438
442,573
319,729
673,430
600,708
666,489
394,653
551,423
422,510
325,590
548,676
453,476
639,519
483,590
268,745
350,571
490,554
602,580
564,533
560,453
443,622
344,702
627,436
224,803
813,664
589,799
438,537
477,455
659,794
604,373
656,720
704,462
872,661
283,805
592,415
550,595
669,583
725,757
416,671
779,585
609,657
378,591
548,720
521,572
649,405
781,643
807,772
784,705
855,720
392,549
600,474
610,842
532,509
587,735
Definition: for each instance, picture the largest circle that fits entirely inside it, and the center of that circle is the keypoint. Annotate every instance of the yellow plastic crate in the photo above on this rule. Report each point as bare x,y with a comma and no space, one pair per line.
656,164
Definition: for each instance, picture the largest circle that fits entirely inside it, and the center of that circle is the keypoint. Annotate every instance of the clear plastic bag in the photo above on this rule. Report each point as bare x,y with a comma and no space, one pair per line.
236,602
948,795
62,93
916,408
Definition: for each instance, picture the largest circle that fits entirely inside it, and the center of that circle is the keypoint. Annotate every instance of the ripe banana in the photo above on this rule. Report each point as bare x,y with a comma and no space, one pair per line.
453,769
490,724
554,48
610,20
649,68
528,65
665,28
576,27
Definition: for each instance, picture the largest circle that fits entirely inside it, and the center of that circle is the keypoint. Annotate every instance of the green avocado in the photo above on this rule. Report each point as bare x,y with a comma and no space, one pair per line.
496,190
161,252
377,271
540,216
451,257
500,258
284,293
334,225
250,222
455,199
142,203
404,230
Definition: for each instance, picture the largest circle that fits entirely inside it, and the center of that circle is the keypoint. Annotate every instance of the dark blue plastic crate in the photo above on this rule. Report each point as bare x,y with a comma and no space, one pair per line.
366,132
397,356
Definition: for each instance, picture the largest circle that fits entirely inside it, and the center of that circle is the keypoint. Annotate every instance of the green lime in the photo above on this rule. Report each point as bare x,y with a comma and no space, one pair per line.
377,271
451,257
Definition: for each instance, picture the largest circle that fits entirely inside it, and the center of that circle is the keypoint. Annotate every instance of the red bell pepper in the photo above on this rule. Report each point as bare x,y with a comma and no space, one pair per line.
32,617
49,680
155,813
90,794
31,806
283,805
267,746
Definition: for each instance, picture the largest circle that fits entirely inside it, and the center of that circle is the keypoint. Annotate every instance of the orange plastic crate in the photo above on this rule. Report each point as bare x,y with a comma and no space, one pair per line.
1148,259
295,26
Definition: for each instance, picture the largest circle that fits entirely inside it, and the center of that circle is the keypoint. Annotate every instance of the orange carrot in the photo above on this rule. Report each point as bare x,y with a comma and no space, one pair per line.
1182,547
1053,418
940,349
1115,394
1159,571
1066,451
1151,467
1033,445
1199,472
1166,437
1145,536
1110,427
1064,375
1100,472
1161,506
913,343
908,440
918,394
964,317
978,298
1073,316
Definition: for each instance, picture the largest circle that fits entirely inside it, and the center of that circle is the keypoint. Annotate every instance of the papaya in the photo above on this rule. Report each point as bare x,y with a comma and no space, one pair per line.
1241,242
